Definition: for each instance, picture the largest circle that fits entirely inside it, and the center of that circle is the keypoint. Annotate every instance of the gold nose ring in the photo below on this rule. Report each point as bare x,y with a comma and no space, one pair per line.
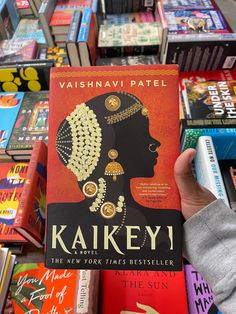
152,148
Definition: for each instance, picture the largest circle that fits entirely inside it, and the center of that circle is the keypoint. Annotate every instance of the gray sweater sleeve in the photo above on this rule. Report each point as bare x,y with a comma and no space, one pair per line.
210,246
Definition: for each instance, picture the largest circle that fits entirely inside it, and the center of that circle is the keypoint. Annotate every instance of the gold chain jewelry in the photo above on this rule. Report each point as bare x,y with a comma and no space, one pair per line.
80,154
100,195
124,114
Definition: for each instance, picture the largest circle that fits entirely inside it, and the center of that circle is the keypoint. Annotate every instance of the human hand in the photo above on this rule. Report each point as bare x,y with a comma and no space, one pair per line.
193,196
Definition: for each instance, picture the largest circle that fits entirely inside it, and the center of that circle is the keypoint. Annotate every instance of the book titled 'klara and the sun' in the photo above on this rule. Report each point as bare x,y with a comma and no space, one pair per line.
113,140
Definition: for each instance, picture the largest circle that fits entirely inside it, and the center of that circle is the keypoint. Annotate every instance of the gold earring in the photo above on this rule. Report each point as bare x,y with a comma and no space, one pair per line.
113,168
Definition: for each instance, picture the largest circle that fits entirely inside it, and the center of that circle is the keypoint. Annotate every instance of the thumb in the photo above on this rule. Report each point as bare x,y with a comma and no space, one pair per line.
184,177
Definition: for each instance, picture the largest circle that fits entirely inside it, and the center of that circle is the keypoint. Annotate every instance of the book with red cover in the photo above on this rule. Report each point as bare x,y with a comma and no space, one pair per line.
133,292
30,217
112,201
36,289
12,181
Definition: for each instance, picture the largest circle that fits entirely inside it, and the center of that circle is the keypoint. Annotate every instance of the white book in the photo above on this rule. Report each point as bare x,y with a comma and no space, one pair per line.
207,168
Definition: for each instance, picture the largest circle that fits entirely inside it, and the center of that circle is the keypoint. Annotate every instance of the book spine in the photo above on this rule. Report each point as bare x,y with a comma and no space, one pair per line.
85,24
23,218
45,14
33,7
74,27
228,171
207,168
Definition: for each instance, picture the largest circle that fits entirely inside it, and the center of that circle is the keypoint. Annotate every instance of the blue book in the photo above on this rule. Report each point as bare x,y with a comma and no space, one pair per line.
223,139
71,42
10,104
87,38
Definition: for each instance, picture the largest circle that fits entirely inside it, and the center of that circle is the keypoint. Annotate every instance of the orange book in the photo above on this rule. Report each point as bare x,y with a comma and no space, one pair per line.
12,181
36,289
112,201
133,292
30,217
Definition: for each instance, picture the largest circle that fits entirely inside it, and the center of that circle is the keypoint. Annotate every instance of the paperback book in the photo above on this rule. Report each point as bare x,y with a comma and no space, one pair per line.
200,295
109,209
129,39
36,289
133,292
210,100
10,104
17,50
12,181
30,217
207,168
197,21
186,5
31,124
32,75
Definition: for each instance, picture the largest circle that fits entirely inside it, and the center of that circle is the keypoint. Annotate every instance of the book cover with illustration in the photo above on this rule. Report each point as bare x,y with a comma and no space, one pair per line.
134,292
114,202
195,21
200,295
210,100
30,217
31,75
17,50
118,40
12,181
36,289
223,138
10,104
228,171
186,5
31,124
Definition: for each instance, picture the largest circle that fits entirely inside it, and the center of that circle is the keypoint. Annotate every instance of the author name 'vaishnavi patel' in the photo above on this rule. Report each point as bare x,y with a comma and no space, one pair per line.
112,83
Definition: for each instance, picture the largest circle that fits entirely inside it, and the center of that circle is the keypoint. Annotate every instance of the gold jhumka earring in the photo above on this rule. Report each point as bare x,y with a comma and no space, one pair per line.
113,168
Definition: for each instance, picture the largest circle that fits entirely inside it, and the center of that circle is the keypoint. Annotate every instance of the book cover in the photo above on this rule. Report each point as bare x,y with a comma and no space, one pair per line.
64,10
198,21
87,38
55,54
10,104
30,217
202,51
32,75
210,100
133,292
130,60
31,123
29,29
207,168
223,138
199,293
36,289
118,40
192,77
115,203
12,181
17,50
137,17
228,172
187,5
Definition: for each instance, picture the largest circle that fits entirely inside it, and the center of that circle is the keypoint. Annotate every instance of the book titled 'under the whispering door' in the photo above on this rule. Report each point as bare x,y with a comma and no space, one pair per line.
112,202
